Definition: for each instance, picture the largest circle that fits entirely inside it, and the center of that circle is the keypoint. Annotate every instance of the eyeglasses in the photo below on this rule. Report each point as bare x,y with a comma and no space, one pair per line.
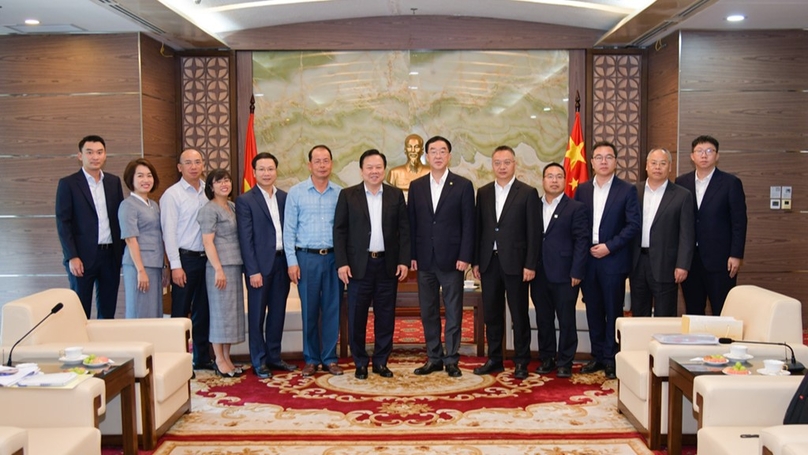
705,152
439,153
658,163
319,162
603,158
503,163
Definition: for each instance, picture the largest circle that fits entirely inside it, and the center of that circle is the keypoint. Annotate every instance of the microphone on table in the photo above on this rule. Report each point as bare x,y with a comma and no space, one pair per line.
56,308
793,365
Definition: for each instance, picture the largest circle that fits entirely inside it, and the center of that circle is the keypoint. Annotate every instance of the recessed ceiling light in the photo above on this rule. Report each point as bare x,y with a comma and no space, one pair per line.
736,18
31,22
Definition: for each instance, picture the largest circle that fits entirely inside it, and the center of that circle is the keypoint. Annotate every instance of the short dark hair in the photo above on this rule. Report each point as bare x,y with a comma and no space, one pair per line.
91,138
321,146
503,148
434,139
213,177
264,156
553,164
704,140
129,173
605,144
372,152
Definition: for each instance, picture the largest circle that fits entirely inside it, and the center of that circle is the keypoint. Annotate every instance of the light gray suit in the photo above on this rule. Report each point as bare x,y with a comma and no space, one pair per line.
142,221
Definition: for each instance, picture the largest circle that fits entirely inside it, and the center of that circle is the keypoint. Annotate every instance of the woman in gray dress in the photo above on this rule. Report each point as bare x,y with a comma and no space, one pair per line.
143,272
223,274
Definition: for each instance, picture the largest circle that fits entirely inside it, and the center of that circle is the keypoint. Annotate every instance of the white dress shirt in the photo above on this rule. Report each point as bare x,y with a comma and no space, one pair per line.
701,186
549,209
599,197
650,205
100,202
275,213
500,195
436,187
375,212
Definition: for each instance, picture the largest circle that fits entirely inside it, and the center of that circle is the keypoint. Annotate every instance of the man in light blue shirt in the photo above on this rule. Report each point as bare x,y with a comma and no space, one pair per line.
308,241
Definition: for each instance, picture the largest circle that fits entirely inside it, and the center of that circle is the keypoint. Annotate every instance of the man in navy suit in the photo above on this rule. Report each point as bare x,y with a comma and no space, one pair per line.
441,209
505,259
372,250
561,266
259,216
664,249
720,209
611,204
87,222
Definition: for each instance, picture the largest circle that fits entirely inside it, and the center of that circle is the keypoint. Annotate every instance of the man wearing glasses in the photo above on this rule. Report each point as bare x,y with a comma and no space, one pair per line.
720,206
611,204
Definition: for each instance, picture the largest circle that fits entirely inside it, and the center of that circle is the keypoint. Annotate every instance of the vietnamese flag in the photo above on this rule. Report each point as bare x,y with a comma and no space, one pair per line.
250,150
575,166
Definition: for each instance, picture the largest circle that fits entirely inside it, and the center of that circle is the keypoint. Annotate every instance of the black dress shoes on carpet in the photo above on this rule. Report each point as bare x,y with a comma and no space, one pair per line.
453,370
520,372
382,371
547,366
564,372
361,373
262,372
429,367
204,365
282,366
611,373
592,366
489,367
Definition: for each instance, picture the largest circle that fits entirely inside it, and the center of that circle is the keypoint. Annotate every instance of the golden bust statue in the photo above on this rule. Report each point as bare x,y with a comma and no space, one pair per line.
401,176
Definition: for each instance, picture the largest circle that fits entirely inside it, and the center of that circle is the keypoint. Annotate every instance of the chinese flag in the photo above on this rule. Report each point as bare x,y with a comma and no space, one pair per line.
575,166
251,149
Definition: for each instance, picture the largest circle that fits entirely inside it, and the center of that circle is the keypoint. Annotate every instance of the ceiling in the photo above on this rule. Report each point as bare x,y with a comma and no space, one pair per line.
195,24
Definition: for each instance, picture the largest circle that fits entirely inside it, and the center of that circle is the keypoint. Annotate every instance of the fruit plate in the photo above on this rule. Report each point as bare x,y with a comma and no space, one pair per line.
715,361
733,372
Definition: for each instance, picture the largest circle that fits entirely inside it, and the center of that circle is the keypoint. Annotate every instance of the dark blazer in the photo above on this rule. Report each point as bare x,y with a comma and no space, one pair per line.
514,233
256,231
620,223
352,230
721,219
77,220
565,244
449,230
672,233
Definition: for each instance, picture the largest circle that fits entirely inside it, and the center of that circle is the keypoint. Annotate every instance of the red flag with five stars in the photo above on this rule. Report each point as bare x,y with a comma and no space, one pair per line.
575,165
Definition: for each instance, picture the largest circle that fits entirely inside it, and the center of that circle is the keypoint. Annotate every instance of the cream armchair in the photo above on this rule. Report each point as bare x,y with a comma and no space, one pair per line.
47,421
159,347
729,407
642,363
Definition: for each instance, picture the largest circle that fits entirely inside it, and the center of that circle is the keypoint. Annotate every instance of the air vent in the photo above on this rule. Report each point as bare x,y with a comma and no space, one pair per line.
125,12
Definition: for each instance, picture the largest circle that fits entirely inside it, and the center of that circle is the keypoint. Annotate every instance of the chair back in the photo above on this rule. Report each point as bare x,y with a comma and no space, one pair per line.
68,325
766,315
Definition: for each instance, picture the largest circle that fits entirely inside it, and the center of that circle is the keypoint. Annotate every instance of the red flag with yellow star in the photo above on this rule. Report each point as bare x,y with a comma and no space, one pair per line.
575,166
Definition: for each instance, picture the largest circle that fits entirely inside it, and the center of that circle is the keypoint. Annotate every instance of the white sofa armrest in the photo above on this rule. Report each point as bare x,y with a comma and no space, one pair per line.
775,438
635,333
165,334
44,407
743,400
13,440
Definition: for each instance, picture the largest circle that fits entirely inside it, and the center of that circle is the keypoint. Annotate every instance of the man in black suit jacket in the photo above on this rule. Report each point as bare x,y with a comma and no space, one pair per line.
441,209
720,211
259,216
87,222
612,206
372,253
505,258
561,266
664,249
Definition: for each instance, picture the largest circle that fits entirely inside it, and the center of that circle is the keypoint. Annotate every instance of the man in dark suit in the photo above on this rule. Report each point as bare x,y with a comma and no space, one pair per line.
720,211
441,209
664,249
564,251
506,251
611,204
87,222
259,216
372,250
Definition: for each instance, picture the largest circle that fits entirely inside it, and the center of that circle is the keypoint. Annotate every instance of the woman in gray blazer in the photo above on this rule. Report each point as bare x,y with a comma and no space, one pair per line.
223,275
143,277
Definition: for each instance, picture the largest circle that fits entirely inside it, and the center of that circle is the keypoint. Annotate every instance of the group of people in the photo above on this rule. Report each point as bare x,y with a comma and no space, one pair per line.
369,236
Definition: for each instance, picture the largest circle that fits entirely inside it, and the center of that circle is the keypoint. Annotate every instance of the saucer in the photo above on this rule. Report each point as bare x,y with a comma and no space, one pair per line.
72,360
740,358
765,372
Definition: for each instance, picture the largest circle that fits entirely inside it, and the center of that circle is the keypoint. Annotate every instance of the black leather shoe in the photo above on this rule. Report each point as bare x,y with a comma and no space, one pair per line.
520,372
489,367
564,372
204,365
592,367
547,366
282,366
453,370
429,367
361,373
610,372
262,372
382,371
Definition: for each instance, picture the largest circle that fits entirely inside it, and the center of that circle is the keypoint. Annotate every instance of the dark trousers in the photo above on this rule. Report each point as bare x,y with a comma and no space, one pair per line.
429,288
555,300
379,290
604,293
646,292
495,285
104,276
266,314
702,284
193,299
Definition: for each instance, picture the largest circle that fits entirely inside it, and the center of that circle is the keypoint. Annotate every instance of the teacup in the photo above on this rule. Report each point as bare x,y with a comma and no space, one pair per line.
468,283
773,366
738,351
73,353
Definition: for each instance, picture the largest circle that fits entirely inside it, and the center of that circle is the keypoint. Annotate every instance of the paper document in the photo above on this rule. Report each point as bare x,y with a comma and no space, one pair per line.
22,372
48,380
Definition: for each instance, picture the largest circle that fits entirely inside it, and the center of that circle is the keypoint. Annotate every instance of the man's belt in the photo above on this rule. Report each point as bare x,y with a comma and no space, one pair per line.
376,254
320,251
198,254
